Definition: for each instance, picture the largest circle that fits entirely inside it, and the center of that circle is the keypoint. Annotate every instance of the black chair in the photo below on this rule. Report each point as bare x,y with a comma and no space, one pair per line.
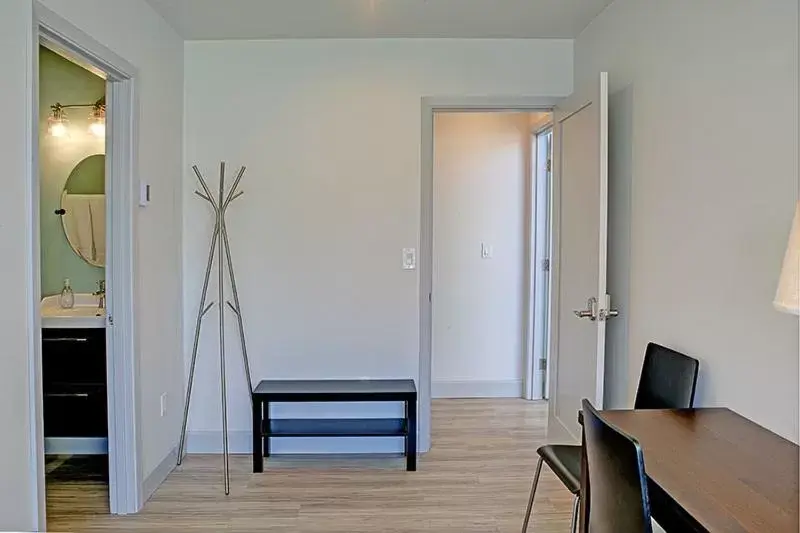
620,503
668,381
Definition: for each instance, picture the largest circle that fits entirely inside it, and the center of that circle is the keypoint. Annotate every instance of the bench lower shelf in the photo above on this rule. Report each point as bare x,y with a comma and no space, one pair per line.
336,427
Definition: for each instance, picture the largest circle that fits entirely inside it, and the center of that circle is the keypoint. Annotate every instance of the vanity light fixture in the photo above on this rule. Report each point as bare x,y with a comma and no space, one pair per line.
58,125
57,122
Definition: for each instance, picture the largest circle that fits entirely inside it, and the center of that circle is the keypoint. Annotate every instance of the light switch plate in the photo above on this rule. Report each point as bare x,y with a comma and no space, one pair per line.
486,251
409,258
144,194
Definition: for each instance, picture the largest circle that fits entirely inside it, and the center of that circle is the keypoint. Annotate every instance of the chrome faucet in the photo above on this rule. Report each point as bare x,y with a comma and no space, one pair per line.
101,292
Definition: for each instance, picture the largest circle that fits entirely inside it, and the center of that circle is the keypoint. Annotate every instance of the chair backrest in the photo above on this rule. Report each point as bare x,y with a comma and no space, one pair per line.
619,498
668,379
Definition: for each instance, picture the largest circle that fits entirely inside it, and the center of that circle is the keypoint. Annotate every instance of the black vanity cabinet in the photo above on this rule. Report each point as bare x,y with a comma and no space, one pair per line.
74,382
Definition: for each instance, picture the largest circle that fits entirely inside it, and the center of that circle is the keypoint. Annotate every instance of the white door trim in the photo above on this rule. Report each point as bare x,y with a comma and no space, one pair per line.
124,442
121,146
429,106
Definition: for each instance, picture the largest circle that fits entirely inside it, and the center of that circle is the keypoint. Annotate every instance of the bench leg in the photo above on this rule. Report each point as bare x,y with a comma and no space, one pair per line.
266,425
258,458
411,436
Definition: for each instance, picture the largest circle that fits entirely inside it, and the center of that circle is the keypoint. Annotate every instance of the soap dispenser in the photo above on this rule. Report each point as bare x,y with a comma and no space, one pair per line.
67,299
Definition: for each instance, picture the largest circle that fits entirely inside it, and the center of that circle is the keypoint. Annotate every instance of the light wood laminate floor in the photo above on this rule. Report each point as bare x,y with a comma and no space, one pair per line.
476,478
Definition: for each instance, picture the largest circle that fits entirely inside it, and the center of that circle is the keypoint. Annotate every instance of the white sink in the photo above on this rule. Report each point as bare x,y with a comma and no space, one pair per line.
86,313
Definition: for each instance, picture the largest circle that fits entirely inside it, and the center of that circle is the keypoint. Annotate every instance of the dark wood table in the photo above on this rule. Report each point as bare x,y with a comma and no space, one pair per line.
350,390
712,470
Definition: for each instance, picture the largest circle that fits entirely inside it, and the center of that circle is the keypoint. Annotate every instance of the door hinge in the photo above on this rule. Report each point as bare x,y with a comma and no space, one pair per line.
110,320
430,297
546,265
543,365
549,165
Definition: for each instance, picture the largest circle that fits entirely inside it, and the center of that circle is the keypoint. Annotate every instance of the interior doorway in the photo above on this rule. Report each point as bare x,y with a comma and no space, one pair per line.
490,241
578,205
429,107
72,206
110,387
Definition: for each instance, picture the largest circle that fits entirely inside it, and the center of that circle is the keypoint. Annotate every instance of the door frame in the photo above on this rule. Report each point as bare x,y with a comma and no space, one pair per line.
537,345
124,439
429,106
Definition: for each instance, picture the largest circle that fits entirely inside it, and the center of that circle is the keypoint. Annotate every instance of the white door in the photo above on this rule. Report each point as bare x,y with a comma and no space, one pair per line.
580,304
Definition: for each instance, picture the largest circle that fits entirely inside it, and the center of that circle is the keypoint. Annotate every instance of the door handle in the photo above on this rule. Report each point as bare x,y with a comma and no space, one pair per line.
590,312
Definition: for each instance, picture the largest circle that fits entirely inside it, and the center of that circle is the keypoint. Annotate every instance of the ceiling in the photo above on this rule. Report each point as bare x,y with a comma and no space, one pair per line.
299,19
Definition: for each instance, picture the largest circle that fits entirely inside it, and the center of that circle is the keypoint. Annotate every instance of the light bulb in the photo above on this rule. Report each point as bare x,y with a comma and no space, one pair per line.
58,129
57,121
97,120
98,129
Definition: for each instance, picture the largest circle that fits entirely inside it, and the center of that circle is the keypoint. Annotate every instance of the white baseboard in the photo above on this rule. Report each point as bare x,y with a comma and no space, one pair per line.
240,442
558,432
508,388
159,474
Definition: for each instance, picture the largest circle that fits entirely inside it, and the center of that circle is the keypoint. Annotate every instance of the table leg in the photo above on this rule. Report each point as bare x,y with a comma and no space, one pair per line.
583,520
411,436
258,458
266,428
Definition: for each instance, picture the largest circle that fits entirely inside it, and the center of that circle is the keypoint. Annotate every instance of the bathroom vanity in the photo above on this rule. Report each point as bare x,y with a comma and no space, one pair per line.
74,376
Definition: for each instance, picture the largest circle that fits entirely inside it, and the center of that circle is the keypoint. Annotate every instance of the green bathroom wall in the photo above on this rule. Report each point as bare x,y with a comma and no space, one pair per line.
67,83
88,176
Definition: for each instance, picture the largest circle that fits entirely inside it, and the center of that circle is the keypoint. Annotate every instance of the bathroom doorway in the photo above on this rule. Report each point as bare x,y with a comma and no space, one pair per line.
72,218
81,235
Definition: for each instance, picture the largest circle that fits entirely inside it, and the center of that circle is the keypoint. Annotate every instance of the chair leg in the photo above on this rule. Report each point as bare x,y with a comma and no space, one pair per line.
533,493
576,506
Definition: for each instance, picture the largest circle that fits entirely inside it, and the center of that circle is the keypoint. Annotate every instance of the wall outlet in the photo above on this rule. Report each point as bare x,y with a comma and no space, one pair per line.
164,404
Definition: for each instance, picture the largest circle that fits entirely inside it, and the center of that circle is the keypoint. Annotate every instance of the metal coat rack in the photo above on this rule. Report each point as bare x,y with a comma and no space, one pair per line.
221,245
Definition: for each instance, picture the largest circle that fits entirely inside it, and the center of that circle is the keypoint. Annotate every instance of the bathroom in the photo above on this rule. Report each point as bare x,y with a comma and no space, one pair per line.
72,213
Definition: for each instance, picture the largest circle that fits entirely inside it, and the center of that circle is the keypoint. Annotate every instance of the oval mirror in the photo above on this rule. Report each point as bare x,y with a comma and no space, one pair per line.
83,207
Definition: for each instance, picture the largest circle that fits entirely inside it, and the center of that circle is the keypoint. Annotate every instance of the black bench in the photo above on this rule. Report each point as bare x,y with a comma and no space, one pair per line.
371,390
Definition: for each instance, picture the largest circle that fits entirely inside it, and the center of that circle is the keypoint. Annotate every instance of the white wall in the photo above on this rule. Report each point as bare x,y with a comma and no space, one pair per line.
135,32
330,132
18,499
479,186
60,80
714,175
617,368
